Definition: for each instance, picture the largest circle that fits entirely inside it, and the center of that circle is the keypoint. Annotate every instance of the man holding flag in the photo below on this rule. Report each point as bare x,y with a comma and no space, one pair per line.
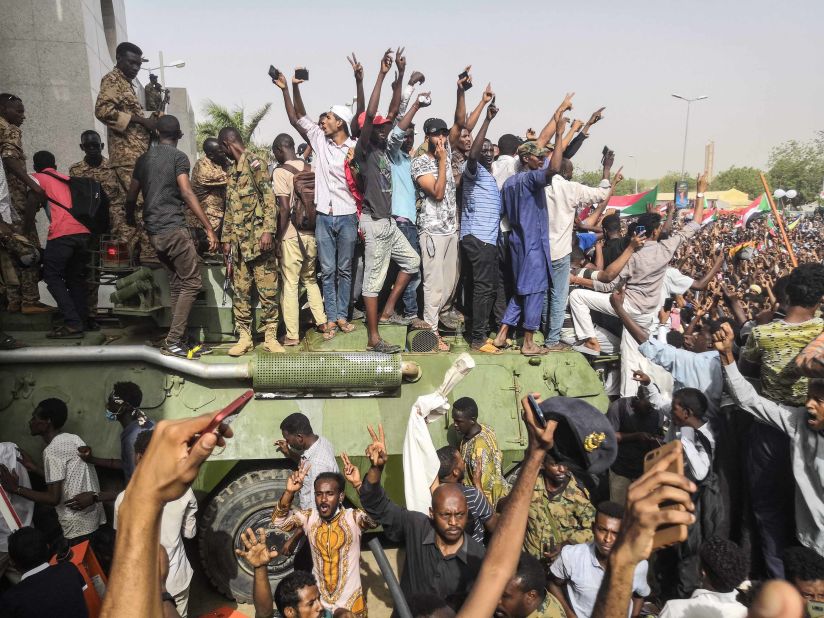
642,278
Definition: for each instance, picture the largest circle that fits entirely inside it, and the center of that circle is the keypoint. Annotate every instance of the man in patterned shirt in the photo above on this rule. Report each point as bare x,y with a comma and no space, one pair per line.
479,449
209,181
772,348
333,532
128,130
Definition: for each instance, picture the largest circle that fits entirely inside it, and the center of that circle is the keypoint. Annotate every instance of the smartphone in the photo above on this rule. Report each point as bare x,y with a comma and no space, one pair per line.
537,413
223,416
466,85
273,73
302,74
424,100
493,100
668,304
640,230
670,534
675,319
604,154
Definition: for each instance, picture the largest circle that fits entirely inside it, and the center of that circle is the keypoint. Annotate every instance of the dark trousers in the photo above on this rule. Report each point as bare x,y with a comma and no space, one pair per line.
64,270
176,251
482,260
506,285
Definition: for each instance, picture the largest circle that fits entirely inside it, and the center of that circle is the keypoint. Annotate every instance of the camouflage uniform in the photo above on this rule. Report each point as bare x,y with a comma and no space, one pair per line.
122,233
250,211
115,106
567,518
154,97
209,184
22,288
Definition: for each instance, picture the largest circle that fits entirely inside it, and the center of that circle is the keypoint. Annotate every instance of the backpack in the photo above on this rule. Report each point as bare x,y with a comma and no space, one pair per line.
303,208
90,205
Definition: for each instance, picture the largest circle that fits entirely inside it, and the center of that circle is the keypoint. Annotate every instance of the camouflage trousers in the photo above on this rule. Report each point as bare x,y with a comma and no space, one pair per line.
262,273
22,288
135,236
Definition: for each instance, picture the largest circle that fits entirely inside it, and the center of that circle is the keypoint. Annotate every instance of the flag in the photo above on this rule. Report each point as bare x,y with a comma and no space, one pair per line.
759,204
771,227
633,205
709,217
795,223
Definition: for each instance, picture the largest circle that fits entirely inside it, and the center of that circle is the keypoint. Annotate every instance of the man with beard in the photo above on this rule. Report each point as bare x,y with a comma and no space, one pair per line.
441,558
335,564
453,470
128,130
578,571
383,239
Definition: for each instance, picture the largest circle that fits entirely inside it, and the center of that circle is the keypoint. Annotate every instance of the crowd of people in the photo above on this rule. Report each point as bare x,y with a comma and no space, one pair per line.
709,336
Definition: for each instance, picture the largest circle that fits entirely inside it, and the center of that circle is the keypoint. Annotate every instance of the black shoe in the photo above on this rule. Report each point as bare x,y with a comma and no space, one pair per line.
179,349
92,324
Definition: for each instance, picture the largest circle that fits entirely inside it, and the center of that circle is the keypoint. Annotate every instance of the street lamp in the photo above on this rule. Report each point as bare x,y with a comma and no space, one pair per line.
634,172
177,64
687,126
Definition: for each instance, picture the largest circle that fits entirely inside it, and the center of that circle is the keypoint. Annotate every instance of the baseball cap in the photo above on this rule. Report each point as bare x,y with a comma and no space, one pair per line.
377,120
531,147
584,437
434,125
344,112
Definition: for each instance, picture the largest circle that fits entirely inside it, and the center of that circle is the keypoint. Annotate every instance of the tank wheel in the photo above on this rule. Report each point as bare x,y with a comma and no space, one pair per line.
246,502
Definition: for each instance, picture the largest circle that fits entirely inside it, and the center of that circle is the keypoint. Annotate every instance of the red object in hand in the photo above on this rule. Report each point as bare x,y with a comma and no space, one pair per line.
233,408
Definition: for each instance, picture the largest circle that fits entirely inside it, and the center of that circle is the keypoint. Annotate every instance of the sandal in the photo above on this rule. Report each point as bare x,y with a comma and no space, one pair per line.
487,348
7,342
64,332
395,319
443,346
344,326
383,348
327,330
541,351
507,344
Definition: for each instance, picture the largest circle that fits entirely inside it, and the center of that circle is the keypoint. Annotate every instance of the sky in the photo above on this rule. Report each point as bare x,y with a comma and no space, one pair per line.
760,63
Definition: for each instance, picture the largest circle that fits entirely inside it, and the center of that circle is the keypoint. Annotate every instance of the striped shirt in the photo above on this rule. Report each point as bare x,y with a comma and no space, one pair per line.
479,512
481,208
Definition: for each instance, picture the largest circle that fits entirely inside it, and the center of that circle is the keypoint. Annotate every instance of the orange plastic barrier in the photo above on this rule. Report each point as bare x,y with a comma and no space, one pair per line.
86,562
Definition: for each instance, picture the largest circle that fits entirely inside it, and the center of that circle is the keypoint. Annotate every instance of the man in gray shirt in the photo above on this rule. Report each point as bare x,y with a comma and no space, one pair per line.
162,176
805,428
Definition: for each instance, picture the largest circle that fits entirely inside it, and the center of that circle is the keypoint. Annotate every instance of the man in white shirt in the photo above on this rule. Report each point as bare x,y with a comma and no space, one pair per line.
562,199
336,225
724,566
177,522
72,487
577,573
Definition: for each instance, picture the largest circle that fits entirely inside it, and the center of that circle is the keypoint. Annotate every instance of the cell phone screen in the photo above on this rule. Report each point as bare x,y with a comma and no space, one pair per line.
537,413
302,74
273,72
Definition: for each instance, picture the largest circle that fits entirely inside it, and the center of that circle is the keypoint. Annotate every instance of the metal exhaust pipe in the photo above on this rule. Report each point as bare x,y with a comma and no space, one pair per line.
120,353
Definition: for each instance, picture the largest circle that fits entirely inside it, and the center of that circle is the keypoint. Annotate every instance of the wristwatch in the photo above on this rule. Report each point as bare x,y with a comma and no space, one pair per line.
699,195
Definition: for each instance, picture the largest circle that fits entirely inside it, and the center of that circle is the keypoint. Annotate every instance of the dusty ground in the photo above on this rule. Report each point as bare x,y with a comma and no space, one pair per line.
203,599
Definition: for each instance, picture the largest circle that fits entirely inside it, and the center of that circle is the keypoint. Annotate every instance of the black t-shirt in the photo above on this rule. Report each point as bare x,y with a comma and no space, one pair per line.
614,247
157,171
630,460
55,591
376,173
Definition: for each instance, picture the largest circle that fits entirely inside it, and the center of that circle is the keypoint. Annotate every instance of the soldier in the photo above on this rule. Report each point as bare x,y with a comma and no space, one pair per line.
560,512
128,130
209,182
95,166
154,95
248,234
21,294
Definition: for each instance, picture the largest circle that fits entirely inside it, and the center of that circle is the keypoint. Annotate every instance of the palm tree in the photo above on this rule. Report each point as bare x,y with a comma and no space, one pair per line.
219,116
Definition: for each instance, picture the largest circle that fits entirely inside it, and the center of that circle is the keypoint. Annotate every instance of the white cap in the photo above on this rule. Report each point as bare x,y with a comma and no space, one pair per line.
344,112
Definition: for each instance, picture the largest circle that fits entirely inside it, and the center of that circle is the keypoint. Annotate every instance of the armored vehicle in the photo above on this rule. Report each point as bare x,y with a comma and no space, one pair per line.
335,383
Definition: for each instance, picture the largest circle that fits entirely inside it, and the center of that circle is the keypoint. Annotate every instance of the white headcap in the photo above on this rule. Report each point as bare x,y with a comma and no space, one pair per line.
344,112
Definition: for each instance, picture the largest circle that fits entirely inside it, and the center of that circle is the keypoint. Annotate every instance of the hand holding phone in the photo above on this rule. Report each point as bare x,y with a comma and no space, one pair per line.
225,416
273,73
668,534
302,73
465,79
537,413
640,230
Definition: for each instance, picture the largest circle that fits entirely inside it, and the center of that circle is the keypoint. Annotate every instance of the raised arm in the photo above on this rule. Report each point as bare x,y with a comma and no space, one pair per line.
291,113
460,107
701,284
374,99
357,69
478,142
615,268
256,553
549,130
417,105
397,85
573,130
557,157
300,108
473,118
701,188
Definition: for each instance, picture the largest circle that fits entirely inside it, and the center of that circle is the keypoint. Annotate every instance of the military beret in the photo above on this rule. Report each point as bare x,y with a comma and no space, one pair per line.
532,148
584,437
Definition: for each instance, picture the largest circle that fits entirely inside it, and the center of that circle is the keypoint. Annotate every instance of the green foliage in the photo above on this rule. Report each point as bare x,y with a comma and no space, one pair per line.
744,179
218,117
666,184
800,166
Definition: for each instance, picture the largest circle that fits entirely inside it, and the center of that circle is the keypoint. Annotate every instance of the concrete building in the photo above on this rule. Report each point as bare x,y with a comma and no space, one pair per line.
53,56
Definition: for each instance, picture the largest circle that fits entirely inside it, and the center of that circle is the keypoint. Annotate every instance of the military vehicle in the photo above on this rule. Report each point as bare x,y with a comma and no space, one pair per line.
335,383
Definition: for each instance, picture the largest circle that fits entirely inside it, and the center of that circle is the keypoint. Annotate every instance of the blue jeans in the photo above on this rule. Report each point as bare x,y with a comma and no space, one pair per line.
410,294
336,237
556,300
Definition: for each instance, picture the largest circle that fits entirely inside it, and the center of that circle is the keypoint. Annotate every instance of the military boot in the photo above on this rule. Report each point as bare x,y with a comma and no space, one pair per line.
271,343
244,343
